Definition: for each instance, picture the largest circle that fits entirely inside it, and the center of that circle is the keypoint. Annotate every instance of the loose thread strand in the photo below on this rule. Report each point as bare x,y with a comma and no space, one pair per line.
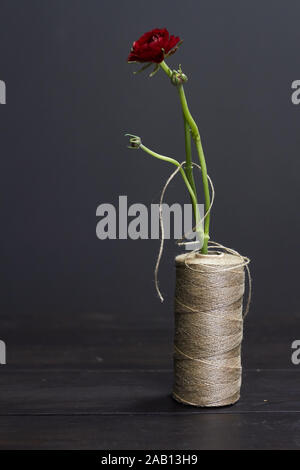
211,244
161,223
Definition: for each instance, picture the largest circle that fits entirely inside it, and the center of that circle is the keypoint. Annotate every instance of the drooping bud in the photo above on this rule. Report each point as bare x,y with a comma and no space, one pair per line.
134,141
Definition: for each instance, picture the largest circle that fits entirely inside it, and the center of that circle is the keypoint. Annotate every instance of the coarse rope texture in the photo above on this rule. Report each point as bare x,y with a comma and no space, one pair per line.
208,328
208,320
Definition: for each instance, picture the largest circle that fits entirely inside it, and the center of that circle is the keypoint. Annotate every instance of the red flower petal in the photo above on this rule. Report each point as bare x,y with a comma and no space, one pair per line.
173,42
151,46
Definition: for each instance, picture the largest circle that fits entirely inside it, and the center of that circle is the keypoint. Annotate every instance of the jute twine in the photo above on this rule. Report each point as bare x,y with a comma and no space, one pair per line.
208,322
208,328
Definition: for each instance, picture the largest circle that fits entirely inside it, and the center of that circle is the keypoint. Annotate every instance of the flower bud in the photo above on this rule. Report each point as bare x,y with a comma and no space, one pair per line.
178,77
134,141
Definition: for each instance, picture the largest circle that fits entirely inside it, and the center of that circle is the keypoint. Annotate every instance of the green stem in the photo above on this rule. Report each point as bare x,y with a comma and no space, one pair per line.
196,137
166,68
206,195
188,153
189,166
187,183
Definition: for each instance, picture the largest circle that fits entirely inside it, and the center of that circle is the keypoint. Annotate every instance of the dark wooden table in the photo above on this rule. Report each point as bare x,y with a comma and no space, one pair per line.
96,381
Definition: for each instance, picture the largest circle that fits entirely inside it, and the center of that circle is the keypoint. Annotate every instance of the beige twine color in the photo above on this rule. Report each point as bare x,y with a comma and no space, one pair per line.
208,328
208,320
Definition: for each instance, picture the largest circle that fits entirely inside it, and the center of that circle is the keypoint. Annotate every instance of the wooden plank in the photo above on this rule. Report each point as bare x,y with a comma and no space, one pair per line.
71,392
88,340
174,432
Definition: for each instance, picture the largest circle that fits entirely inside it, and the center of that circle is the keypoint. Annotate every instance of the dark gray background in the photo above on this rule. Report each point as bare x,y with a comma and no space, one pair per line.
70,98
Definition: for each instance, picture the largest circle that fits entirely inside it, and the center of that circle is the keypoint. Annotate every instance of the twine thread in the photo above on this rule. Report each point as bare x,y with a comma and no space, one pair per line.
209,327
208,319
161,223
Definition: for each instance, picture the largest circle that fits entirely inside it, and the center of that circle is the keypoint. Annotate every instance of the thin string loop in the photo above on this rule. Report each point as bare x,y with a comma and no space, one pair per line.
161,223
244,261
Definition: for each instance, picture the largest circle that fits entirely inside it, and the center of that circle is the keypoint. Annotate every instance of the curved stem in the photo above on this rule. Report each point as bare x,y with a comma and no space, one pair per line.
196,137
187,183
206,195
166,68
187,133
188,153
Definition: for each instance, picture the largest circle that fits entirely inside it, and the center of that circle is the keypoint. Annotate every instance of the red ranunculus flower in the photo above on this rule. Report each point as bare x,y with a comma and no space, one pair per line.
153,46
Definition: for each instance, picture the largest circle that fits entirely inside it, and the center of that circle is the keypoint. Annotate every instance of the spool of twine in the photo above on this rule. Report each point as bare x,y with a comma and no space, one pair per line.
208,328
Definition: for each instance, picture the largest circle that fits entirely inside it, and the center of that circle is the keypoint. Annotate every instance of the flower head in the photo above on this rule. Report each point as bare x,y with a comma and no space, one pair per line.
134,141
153,46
